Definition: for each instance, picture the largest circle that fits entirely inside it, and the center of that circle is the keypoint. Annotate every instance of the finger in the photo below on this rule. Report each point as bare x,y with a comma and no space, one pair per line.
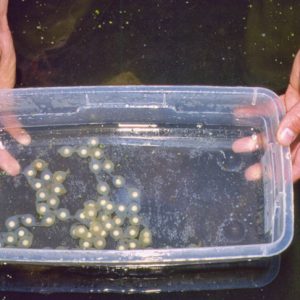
253,172
7,50
247,144
14,128
3,8
295,74
289,127
295,151
8,163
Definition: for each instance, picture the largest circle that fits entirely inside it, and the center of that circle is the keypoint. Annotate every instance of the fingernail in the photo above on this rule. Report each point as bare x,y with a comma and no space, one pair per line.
25,139
287,136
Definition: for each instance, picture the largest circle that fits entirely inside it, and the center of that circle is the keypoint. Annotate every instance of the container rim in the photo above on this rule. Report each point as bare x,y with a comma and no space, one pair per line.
170,255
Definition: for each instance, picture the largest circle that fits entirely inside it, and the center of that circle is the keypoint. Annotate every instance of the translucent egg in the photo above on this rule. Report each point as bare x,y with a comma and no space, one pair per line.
90,213
121,208
12,223
118,181
46,175
109,207
122,245
36,184
84,244
119,221
30,171
25,242
53,201
134,220
73,231
133,244
63,214
103,217
134,208
22,232
146,233
90,204
83,151
10,238
103,188
108,166
99,243
132,231
48,220
65,151
28,220
80,216
102,201
93,141
39,164
108,225
95,166
134,193
42,195
89,236
116,233
42,208
145,238
80,231
60,176
96,228
58,189
96,153
103,233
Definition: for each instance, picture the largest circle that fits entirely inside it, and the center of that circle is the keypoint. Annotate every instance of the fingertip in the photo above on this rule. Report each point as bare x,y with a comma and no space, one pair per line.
13,168
286,136
253,173
24,139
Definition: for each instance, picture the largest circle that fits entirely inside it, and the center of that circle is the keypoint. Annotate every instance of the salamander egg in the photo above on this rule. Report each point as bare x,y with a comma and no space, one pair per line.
53,201
39,164
134,220
63,214
108,166
103,188
65,151
93,141
30,171
28,220
42,208
134,193
12,223
99,243
97,153
118,181
134,207
83,151
48,220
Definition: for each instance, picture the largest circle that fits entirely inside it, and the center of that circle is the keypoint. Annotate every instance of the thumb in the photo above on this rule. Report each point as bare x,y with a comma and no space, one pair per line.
290,126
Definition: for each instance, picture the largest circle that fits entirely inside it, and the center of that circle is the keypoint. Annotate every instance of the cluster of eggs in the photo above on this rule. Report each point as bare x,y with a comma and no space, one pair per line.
98,220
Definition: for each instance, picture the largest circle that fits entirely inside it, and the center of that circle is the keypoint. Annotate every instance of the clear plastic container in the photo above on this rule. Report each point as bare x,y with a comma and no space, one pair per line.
199,195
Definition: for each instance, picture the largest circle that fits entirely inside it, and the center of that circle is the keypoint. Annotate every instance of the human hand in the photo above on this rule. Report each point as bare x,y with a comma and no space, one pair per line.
7,80
288,131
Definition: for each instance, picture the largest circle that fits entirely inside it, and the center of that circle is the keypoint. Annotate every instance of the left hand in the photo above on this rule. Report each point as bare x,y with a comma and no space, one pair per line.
7,80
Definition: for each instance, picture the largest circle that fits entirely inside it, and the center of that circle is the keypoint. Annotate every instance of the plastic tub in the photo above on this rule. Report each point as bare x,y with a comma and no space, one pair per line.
173,146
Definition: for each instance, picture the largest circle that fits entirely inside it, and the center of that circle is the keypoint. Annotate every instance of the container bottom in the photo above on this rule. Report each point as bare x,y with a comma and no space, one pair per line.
46,279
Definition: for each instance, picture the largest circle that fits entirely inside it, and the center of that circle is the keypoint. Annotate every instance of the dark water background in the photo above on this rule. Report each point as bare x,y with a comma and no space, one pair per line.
215,42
